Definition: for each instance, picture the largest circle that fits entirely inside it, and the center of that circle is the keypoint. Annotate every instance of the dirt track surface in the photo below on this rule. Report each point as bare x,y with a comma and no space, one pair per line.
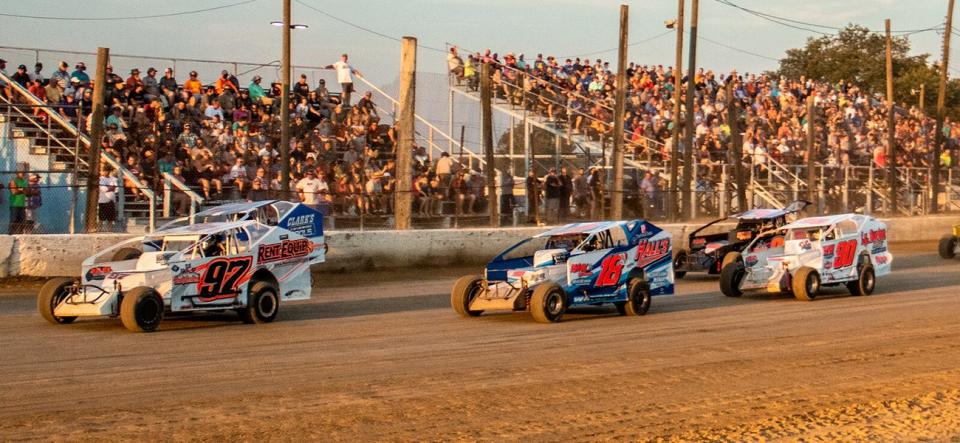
382,357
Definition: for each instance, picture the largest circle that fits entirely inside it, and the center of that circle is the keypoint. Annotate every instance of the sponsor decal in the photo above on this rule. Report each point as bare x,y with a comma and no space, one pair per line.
828,251
744,235
881,259
878,250
873,236
751,260
284,250
580,269
222,277
302,224
699,241
186,276
649,251
98,272
806,245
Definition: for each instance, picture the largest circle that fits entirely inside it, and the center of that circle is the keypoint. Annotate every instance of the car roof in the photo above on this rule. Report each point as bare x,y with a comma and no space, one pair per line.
208,228
825,220
234,208
581,228
759,214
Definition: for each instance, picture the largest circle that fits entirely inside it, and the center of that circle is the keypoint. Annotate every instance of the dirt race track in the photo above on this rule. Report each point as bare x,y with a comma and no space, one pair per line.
383,357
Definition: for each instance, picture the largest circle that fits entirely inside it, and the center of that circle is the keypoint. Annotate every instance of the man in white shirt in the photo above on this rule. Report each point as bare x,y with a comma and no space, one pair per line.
107,200
311,189
345,78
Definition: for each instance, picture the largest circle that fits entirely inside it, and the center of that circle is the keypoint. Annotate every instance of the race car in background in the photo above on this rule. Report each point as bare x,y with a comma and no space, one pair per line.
808,254
710,248
950,244
244,265
623,263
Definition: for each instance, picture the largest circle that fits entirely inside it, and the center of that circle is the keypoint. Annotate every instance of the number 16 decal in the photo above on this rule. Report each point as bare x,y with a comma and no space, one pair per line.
221,278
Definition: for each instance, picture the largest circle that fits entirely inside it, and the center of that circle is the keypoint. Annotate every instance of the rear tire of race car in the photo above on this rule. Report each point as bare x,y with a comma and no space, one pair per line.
730,278
126,254
865,282
141,309
263,304
548,303
679,258
638,297
51,294
948,246
806,283
464,291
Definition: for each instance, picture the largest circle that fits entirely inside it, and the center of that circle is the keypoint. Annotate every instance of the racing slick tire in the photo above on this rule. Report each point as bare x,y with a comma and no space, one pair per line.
679,258
638,297
464,291
865,282
51,294
263,304
948,246
730,257
730,278
806,283
548,303
126,254
141,309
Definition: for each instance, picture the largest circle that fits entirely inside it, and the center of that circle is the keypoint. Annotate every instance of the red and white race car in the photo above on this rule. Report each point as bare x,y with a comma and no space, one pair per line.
246,265
811,253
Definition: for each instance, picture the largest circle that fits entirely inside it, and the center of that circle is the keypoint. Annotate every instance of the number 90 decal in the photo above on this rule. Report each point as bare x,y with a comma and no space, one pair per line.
222,278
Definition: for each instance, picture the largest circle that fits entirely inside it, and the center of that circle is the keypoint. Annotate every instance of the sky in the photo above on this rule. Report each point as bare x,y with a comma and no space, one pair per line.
553,27
557,27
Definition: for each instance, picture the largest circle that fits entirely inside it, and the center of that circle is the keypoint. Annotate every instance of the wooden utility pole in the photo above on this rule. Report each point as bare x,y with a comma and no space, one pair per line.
921,100
285,106
674,192
486,116
689,130
811,152
403,197
733,120
941,96
620,105
891,127
96,137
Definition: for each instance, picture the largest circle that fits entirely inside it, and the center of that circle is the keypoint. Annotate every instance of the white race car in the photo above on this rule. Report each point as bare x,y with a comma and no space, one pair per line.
811,253
245,265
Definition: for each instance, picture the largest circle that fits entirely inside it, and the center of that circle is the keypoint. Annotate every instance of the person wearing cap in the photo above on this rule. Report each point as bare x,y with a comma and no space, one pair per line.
38,73
193,85
61,74
168,86
34,202
257,93
151,87
18,188
553,191
114,121
80,73
54,90
345,74
311,189
134,80
21,77
301,89
223,83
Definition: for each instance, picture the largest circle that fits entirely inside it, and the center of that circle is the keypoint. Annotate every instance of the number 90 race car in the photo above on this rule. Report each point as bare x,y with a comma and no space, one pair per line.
811,253
244,265
621,262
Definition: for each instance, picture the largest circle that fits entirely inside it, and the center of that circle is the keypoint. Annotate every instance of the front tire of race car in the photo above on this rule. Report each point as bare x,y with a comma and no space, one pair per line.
679,259
548,303
730,257
464,291
948,246
51,294
730,278
141,309
263,304
865,282
638,297
806,283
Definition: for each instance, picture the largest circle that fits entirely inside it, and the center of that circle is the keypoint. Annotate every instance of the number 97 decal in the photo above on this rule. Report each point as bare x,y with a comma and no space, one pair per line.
222,278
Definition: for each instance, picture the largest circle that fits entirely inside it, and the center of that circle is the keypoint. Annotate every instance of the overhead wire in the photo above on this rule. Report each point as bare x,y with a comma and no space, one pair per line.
135,17
805,25
638,42
362,28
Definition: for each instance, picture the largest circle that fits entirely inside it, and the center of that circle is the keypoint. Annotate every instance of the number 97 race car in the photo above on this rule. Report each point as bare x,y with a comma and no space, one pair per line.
622,262
811,253
244,265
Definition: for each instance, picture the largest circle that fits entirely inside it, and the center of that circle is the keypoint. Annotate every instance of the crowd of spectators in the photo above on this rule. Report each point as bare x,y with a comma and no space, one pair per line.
579,95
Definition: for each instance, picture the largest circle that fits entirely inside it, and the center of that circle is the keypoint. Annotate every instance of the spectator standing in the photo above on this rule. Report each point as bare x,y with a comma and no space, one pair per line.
533,198
311,189
34,202
648,195
445,168
553,190
18,187
345,74
581,193
107,200
566,192
506,192
455,65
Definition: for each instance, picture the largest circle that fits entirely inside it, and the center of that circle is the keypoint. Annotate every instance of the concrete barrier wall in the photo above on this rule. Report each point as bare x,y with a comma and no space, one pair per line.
61,255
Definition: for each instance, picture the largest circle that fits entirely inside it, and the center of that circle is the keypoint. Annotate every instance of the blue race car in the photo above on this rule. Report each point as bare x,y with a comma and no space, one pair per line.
580,264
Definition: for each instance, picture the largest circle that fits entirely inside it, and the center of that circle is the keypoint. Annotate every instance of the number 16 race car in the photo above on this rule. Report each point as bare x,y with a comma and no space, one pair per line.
811,253
247,265
622,262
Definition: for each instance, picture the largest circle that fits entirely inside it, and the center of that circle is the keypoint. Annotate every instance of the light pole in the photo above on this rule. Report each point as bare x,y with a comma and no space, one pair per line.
285,100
